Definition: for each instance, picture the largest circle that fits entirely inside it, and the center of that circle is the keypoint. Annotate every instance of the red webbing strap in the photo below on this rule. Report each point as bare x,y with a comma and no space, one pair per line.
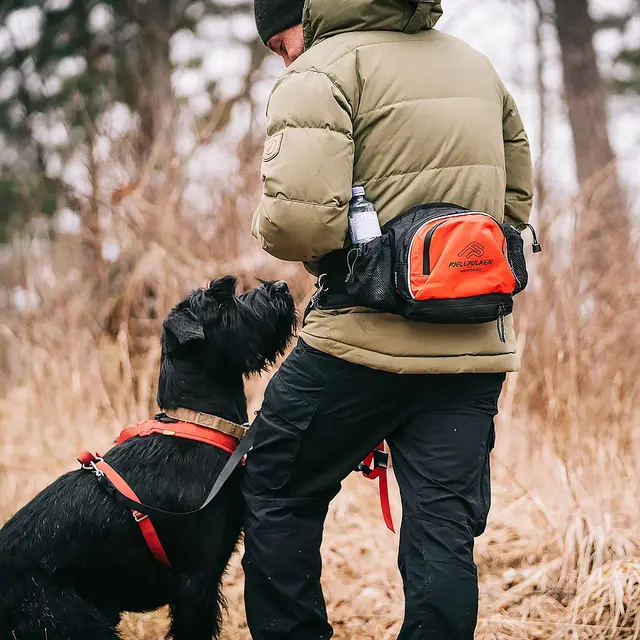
146,526
380,473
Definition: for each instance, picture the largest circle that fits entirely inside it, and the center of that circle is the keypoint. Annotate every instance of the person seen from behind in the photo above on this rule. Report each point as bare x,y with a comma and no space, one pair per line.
374,96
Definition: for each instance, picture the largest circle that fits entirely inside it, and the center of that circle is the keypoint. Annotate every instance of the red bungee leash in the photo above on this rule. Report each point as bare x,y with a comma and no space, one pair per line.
376,466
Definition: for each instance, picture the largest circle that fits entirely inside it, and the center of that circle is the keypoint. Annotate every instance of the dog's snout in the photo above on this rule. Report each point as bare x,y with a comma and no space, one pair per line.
281,287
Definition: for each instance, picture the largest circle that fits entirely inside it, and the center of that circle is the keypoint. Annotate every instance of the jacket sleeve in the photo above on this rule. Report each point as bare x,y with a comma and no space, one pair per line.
519,196
307,169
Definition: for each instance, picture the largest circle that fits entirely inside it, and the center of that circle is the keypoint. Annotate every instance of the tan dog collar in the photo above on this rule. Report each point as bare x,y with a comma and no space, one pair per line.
216,423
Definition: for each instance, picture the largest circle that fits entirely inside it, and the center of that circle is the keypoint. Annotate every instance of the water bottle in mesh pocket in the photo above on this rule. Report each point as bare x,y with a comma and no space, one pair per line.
370,275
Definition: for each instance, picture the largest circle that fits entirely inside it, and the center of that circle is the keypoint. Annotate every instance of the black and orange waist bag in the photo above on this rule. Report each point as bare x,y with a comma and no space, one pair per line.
440,263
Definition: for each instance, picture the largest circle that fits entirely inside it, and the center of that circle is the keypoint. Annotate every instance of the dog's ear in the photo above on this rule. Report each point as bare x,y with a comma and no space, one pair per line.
223,287
183,325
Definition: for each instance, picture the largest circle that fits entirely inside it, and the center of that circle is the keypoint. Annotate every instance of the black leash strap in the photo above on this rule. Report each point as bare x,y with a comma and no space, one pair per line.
232,464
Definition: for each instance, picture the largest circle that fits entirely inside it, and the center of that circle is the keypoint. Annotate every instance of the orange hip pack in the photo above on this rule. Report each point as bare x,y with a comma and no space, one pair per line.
442,264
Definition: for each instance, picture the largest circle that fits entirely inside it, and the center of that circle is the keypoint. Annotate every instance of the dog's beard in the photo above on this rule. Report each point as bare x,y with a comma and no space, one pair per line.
269,323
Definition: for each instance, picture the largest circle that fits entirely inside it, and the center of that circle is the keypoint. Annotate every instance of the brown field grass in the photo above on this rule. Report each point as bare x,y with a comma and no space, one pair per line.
561,555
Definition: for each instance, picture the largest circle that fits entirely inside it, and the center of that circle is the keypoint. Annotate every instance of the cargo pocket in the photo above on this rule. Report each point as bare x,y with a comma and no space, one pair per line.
282,423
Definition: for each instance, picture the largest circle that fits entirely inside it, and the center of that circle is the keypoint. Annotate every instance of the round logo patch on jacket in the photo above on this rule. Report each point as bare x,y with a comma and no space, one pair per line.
272,146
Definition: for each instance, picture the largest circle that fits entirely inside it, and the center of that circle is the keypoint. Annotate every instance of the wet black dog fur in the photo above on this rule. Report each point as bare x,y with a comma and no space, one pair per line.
72,560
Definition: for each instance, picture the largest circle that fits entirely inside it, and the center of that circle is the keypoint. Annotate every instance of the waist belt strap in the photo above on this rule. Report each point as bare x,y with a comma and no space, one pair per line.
336,300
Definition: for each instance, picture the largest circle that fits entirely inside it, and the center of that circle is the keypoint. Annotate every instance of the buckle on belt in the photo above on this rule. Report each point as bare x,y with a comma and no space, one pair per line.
91,465
380,459
138,516
321,289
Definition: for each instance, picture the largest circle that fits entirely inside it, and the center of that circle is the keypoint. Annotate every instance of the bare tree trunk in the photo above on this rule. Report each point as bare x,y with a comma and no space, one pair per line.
604,225
156,104
541,89
584,88
147,79
91,209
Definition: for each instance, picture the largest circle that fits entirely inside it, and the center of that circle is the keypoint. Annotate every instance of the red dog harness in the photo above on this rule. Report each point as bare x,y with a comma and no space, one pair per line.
373,467
186,430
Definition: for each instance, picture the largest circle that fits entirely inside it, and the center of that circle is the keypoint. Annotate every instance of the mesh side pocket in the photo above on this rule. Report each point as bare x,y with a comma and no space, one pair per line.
515,254
370,281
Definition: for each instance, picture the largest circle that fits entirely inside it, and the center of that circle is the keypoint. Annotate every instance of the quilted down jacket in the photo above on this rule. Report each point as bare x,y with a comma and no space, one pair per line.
381,99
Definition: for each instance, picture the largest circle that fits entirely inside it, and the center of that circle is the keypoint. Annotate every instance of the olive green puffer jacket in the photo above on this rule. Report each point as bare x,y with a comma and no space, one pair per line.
383,100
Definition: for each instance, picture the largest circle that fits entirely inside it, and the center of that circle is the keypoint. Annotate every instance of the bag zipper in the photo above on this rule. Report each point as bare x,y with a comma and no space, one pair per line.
413,210
426,260
535,245
537,248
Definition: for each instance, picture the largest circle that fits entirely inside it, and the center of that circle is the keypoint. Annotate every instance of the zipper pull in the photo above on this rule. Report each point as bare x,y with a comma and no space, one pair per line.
352,258
535,245
501,329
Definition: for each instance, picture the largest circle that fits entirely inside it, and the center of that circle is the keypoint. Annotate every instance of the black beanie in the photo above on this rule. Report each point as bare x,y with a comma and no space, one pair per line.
274,16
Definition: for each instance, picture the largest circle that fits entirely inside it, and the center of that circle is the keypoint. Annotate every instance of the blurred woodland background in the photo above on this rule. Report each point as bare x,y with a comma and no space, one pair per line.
130,143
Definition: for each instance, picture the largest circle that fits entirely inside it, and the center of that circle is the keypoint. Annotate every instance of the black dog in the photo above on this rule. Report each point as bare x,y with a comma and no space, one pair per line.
73,559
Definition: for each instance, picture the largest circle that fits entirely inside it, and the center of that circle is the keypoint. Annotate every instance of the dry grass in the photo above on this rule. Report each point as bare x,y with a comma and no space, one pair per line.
561,556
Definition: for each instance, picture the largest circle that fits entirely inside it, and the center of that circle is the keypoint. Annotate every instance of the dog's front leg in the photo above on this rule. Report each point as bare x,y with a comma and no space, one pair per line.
196,611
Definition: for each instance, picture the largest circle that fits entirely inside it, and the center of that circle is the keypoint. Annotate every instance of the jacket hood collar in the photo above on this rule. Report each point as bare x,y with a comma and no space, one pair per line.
324,18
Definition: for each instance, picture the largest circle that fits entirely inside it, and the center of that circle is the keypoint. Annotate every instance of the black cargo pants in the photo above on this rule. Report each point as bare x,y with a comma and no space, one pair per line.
321,417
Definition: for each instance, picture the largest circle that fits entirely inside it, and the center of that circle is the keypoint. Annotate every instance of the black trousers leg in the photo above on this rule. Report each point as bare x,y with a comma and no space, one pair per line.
282,566
441,462
320,417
